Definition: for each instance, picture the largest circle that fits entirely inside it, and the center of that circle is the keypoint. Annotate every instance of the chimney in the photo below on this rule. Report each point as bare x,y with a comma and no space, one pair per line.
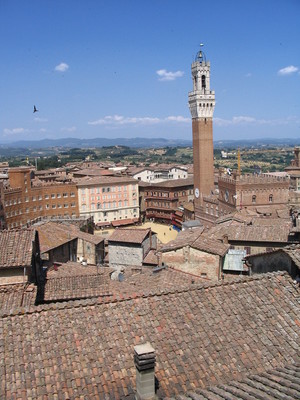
144,360
225,239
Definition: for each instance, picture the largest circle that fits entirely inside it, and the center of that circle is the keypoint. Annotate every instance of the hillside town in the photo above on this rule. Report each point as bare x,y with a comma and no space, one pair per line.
120,281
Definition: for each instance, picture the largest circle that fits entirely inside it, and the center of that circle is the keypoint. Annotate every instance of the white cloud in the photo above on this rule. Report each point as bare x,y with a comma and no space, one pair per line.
117,120
14,131
70,129
241,119
288,70
37,119
248,75
62,67
245,120
165,75
120,120
178,118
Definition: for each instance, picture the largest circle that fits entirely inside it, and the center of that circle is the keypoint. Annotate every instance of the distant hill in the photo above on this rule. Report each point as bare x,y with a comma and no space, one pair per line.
272,142
97,142
139,142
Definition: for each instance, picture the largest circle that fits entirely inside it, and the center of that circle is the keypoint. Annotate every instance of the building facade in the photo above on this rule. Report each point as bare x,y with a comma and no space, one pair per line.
202,104
161,201
160,173
263,193
109,200
26,200
129,247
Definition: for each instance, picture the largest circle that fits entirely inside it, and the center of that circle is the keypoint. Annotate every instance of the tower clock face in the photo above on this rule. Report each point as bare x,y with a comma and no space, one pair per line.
197,192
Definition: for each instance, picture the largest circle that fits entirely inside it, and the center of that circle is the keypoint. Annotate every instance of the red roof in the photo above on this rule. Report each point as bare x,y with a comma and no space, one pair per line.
129,235
16,248
123,222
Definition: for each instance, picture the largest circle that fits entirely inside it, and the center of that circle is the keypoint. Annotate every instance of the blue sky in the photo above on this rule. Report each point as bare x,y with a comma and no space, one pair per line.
122,68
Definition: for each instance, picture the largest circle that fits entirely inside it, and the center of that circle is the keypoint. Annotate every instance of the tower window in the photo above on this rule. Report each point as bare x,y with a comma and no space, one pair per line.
254,199
271,198
203,82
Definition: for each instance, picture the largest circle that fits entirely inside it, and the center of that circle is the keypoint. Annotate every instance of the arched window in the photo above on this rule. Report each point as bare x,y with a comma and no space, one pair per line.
98,206
270,198
254,199
203,81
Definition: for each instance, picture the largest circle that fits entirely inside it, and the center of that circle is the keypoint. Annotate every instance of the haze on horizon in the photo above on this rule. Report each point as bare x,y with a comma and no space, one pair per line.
123,68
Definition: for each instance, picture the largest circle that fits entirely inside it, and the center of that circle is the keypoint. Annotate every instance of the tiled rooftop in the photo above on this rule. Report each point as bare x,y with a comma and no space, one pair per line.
104,180
204,336
16,248
251,233
129,235
72,281
16,296
279,383
184,238
198,240
292,250
151,258
171,183
53,234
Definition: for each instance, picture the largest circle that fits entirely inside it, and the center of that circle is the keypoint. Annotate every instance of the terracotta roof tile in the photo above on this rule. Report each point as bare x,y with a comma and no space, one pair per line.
16,247
212,246
54,234
251,233
273,384
203,336
198,240
184,238
171,183
293,252
151,258
104,180
129,235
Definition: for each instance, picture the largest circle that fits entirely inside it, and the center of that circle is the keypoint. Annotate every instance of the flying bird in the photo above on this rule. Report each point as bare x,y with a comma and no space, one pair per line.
35,109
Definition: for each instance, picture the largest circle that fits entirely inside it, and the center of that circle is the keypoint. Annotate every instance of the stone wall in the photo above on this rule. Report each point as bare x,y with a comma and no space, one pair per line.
252,248
124,255
86,250
13,275
193,261
146,245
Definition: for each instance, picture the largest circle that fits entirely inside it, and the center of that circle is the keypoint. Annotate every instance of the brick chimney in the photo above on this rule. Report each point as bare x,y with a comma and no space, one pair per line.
144,360
225,239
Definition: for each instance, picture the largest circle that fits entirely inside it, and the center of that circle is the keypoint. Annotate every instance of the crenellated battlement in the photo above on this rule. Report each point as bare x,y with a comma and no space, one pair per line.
252,179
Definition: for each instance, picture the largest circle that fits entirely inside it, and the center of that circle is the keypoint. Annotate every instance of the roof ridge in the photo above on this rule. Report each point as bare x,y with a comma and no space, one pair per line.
120,298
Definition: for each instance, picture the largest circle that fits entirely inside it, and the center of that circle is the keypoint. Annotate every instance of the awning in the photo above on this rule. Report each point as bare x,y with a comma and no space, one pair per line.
106,223
121,222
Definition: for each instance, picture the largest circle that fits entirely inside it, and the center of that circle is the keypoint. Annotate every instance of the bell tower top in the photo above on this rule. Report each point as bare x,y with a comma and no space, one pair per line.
200,56
201,99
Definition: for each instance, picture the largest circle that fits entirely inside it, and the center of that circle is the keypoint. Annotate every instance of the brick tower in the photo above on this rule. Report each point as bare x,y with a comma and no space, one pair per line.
202,104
